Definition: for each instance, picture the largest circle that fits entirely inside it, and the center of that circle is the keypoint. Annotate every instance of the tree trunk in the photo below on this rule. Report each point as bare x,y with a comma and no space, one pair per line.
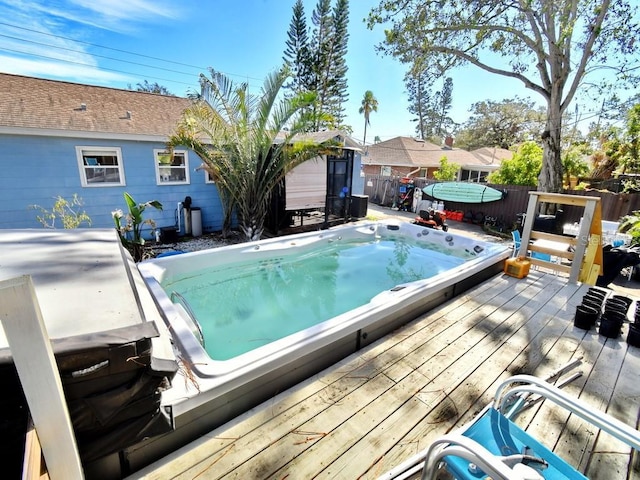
364,140
252,223
550,179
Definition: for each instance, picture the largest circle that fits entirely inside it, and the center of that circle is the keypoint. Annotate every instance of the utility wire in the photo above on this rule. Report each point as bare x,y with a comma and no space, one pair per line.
92,66
119,50
94,55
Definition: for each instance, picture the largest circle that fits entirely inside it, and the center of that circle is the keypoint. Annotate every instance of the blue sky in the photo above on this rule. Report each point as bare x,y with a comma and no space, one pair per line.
171,41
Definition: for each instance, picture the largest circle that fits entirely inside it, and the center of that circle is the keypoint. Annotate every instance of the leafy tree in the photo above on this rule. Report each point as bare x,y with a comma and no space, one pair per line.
630,150
551,47
630,224
243,142
151,88
573,162
369,104
619,148
522,169
501,124
296,54
447,171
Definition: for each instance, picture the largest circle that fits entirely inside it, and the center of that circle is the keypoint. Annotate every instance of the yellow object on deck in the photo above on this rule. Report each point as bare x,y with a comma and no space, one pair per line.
517,267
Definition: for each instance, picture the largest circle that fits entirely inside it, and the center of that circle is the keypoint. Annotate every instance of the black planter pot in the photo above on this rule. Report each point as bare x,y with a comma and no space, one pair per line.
586,317
611,324
596,291
616,305
590,303
624,299
593,300
633,337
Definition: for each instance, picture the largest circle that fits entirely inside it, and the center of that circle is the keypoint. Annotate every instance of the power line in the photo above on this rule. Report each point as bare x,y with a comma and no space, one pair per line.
90,65
93,54
120,50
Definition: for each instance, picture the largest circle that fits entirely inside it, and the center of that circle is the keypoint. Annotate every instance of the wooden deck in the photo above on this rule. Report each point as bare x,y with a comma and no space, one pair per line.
378,407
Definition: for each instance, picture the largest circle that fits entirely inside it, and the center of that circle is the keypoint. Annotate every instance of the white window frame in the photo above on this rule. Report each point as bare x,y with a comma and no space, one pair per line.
163,177
207,177
81,151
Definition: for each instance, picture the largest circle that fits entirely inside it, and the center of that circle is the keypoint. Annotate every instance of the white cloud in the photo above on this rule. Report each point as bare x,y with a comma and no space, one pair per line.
48,35
129,10
58,70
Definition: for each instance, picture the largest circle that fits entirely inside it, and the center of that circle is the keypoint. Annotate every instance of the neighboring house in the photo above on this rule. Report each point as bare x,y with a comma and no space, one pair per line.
411,157
62,138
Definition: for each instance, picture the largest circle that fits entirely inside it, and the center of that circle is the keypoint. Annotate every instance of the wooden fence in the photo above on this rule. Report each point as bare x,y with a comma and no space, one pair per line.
385,191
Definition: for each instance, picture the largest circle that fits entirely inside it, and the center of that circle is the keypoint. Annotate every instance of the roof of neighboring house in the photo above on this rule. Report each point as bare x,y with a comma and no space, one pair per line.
412,152
490,156
324,136
35,103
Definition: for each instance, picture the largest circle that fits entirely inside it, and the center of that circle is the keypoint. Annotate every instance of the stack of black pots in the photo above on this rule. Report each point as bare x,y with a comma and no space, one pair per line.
633,338
588,312
615,314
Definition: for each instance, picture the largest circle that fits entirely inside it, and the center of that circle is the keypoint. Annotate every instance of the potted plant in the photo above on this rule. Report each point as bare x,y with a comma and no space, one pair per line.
130,227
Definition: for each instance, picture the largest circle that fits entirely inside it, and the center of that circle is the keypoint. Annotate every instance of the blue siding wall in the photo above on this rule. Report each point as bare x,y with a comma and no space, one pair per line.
36,170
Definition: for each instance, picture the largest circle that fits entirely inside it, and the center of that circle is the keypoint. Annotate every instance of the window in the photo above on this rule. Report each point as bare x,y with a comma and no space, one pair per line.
100,166
171,168
473,176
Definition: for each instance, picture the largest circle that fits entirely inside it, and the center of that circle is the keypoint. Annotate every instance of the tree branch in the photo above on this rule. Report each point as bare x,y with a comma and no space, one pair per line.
586,54
507,73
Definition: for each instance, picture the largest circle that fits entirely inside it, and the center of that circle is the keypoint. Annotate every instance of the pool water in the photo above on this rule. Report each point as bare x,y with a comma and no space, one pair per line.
242,306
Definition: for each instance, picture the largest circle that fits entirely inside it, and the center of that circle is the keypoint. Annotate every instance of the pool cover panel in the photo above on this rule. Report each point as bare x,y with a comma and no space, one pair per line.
112,390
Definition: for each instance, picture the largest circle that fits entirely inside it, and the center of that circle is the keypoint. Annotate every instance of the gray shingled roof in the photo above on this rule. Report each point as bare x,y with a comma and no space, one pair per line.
411,152
34,103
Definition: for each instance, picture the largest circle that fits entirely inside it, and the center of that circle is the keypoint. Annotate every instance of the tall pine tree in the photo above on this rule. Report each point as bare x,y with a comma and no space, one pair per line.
318,60
338,72
432,109
444,98
418,88
296,54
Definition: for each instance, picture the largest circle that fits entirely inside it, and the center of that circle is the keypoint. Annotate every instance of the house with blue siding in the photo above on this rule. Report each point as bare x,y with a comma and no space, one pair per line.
62,139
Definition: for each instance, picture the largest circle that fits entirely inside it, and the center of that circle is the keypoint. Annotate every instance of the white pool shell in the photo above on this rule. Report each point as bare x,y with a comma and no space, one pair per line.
387,305
214,392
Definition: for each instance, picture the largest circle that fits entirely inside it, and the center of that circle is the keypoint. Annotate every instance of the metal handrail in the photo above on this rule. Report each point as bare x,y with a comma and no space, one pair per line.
190,313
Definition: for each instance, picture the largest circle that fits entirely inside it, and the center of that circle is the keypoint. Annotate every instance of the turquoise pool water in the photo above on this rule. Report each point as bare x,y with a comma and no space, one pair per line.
243,306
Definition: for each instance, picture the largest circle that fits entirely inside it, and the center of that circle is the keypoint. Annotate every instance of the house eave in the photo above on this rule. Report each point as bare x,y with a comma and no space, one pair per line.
51,132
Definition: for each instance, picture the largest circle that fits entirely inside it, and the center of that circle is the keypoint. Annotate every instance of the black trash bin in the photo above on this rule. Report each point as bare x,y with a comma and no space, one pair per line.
359,205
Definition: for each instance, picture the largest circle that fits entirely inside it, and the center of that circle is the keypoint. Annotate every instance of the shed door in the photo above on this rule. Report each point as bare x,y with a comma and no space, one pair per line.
306,185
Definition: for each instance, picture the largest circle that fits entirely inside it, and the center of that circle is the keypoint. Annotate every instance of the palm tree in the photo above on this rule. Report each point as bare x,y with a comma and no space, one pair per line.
369,104
246,142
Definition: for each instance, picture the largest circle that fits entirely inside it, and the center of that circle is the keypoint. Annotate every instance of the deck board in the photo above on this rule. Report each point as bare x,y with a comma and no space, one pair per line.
376,408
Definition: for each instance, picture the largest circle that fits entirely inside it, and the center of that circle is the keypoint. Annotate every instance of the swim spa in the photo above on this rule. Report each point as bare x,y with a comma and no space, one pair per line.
219,387
294,294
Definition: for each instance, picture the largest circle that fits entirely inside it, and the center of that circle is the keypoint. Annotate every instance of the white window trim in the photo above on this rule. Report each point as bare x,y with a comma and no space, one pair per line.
83,170
185,154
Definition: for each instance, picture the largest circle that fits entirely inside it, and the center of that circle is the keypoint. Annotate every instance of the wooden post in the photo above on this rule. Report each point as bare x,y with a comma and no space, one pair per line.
33,356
